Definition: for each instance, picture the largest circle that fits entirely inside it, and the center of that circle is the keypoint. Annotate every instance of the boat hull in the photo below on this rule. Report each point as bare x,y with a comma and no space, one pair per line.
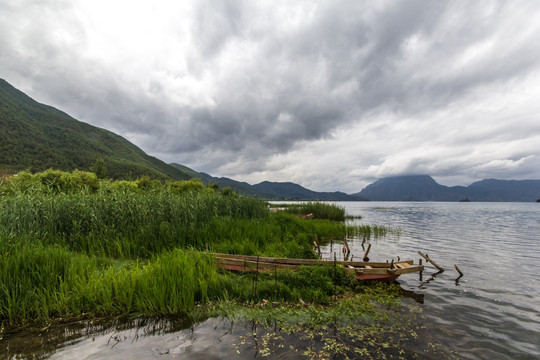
372,271
377,277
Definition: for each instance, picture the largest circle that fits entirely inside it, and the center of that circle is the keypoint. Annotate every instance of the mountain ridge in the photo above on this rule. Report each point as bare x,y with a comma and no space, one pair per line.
36,137
267,189
292,191
425,188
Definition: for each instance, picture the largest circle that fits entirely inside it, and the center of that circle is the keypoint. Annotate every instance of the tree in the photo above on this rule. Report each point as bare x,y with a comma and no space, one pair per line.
99,168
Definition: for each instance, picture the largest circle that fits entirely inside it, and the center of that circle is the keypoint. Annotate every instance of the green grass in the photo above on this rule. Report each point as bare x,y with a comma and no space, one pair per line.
320,210
121,224
40,282
75,246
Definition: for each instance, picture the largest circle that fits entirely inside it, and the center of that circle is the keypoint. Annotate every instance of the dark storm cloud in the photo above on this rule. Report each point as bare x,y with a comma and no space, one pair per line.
235,84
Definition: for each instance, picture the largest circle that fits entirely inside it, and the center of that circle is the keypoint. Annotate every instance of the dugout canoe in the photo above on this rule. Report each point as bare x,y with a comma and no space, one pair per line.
363,271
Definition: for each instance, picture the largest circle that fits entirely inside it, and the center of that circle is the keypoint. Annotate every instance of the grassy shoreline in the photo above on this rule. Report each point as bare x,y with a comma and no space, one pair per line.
72,245
75,247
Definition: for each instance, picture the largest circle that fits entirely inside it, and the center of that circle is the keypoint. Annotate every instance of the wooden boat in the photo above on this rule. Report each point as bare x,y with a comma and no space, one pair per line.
363,271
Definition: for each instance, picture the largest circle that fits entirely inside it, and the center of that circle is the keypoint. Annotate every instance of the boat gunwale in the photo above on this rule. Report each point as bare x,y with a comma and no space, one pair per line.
359,269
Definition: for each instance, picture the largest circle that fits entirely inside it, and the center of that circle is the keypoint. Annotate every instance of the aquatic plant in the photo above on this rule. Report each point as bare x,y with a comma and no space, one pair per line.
320,210
41,282
365,324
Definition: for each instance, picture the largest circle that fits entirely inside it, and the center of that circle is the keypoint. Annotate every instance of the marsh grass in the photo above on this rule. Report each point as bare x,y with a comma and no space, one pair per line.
119,224
75,246
369,231
280,235
320,210
42,282
123,252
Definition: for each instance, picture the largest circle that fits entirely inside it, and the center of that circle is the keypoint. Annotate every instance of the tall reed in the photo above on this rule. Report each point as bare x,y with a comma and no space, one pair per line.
320,210
39,282
120,224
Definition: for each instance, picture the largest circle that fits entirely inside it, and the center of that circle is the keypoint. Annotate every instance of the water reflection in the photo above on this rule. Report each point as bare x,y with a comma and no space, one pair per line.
221,338
411,294
432,277
488,313
41,343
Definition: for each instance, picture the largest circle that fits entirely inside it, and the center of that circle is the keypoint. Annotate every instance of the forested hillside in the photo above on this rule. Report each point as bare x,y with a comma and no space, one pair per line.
37,137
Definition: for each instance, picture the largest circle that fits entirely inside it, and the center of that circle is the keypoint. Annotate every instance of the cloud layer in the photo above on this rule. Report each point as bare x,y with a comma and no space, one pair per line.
331,95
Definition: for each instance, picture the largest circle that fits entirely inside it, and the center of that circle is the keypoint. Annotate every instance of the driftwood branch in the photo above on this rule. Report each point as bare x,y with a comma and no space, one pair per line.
458,270
316,244
367,252
346,245
425,256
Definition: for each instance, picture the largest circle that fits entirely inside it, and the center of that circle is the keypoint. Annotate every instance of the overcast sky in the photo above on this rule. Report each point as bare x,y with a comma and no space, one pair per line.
331,95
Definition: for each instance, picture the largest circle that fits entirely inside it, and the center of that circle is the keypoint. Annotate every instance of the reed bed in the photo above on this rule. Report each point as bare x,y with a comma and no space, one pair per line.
369,231
119,224
73,246
320,210
281,235
40,282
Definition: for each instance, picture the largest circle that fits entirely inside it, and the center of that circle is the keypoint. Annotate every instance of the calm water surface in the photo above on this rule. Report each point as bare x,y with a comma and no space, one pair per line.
492,312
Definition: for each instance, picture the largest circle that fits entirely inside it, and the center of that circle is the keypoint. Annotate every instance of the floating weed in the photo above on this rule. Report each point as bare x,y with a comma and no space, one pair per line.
369,324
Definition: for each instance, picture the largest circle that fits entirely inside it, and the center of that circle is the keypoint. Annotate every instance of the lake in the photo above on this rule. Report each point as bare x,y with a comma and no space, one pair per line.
492,312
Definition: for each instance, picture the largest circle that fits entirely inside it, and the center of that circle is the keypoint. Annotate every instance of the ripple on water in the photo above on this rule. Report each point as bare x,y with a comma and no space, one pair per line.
492,312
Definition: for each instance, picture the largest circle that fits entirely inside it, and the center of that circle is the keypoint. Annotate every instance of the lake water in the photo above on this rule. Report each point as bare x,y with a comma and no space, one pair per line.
492,312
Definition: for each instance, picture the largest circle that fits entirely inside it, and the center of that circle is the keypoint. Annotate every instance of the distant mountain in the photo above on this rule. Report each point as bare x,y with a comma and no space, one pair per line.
268,190
424,188
291,191
37,137
504,190
409,188
241,187
223,182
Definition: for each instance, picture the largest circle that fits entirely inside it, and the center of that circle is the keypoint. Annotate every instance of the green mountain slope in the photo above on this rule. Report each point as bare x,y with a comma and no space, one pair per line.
292,191
192,173
36,137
